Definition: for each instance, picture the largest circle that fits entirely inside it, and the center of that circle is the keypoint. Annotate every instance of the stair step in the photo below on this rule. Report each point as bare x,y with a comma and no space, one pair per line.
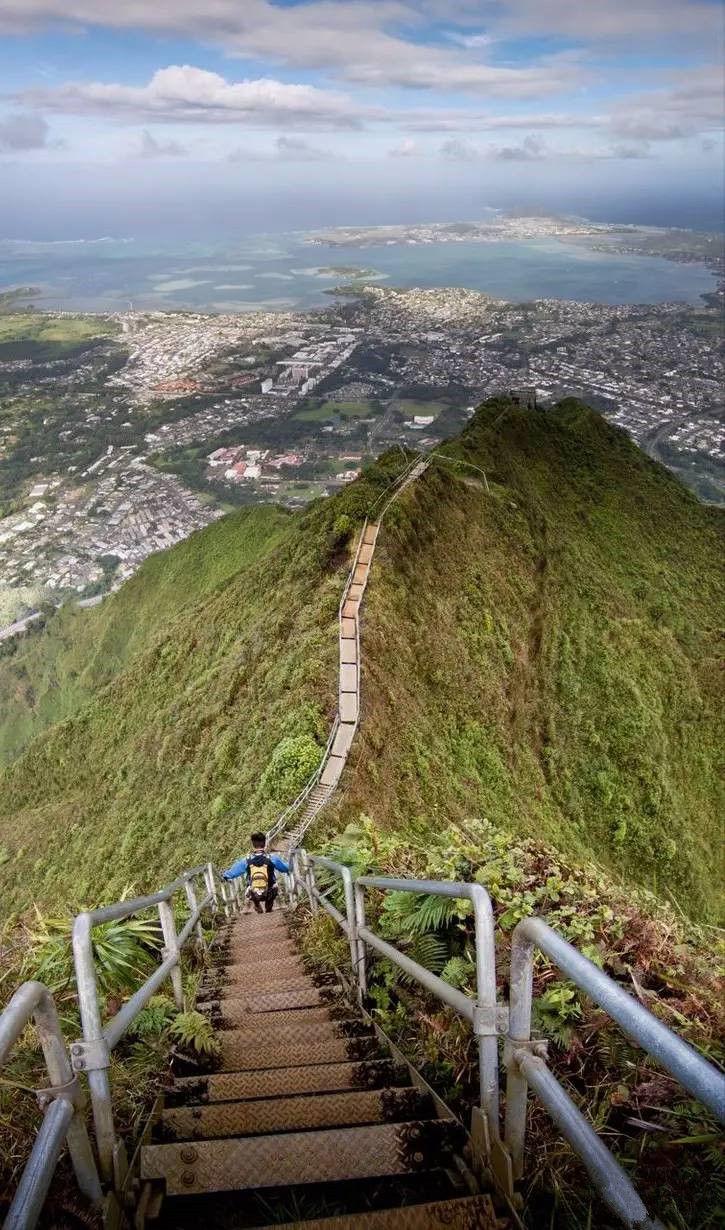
304,996
281,1082
259,1116
466,1213
237,1053
299,1157
257,961
234,989
291,969
287,1033
238,1014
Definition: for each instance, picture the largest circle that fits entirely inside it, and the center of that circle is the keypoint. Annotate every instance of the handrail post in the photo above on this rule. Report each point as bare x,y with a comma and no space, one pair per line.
210,883
362,973
171,949
310,882
98,1083
193,906
34,1000
520,997
486,1023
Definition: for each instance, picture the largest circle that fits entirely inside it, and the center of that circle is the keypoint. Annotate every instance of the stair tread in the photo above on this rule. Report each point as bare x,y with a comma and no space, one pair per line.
281,1082
465,1213
257,1116
260,1055
298,1157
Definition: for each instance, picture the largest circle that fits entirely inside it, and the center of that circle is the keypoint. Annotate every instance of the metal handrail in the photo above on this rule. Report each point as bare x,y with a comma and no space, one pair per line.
62,1103
91,1054
676,1056
481,1012
523,1057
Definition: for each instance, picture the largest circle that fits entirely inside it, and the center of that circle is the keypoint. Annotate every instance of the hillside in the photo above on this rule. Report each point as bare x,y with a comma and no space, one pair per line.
45,678
539,649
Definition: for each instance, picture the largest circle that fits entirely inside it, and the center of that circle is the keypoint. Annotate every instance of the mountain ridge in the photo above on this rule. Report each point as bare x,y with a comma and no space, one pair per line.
538,649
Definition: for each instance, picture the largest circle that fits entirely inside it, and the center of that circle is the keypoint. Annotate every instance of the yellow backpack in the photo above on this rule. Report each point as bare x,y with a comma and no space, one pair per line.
259,876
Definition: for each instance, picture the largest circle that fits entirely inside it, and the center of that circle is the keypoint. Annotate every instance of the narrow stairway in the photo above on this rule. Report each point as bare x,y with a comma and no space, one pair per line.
302,1119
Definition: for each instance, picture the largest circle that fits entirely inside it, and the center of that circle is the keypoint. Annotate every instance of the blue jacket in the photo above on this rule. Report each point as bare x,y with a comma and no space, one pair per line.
239,868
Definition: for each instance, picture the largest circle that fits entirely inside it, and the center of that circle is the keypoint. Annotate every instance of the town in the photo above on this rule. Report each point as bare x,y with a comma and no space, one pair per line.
166,421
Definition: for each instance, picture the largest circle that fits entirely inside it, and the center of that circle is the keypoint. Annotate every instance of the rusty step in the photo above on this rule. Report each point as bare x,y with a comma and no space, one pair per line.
301,1157
284,1082
464,1213
258,1116
235,1053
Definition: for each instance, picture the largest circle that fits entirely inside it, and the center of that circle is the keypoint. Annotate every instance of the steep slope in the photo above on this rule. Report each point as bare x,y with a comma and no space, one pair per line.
538,649
45,678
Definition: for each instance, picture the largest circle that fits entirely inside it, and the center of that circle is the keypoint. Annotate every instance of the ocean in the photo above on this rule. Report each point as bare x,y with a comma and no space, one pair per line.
279,272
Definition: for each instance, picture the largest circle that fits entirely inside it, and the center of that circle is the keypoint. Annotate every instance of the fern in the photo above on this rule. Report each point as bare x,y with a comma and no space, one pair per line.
416,913
193,1031
431,951
458,971
154,1018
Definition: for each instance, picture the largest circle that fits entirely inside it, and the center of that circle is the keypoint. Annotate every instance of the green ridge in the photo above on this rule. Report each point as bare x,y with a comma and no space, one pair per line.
539,649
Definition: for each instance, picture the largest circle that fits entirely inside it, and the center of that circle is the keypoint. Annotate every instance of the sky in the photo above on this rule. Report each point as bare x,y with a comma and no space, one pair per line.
183,116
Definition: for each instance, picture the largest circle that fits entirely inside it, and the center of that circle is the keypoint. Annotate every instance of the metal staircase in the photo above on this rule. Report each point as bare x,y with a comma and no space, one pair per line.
290,828
302,1094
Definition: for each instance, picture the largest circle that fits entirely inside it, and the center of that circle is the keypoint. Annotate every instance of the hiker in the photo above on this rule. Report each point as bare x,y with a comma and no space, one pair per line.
261,871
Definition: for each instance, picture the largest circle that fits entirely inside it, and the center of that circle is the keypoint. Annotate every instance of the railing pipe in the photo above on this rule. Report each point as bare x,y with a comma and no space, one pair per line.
484,1019
608,1177
171,950
33,999
118,1024
360,925
194,909
98,1083
676,1056
36,1178
349,927
210,881
450,995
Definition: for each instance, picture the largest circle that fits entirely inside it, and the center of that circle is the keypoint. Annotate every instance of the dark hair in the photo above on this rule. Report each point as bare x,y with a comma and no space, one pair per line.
259,839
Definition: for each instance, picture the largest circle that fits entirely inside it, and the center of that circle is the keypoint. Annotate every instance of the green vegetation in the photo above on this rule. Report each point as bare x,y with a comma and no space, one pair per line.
40,336
539,651
346,409
666,1141
50,675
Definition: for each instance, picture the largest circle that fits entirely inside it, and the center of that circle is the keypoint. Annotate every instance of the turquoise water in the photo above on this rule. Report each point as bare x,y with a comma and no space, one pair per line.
282,271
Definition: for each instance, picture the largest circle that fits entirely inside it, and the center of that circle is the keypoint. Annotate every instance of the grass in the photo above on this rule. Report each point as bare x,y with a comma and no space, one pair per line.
42,327
346,409
542,653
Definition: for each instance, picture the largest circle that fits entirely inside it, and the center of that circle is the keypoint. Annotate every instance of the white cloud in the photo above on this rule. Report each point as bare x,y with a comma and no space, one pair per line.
406,149
631,149
185,93
531,149
294,149
23,132
351,39
458,151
